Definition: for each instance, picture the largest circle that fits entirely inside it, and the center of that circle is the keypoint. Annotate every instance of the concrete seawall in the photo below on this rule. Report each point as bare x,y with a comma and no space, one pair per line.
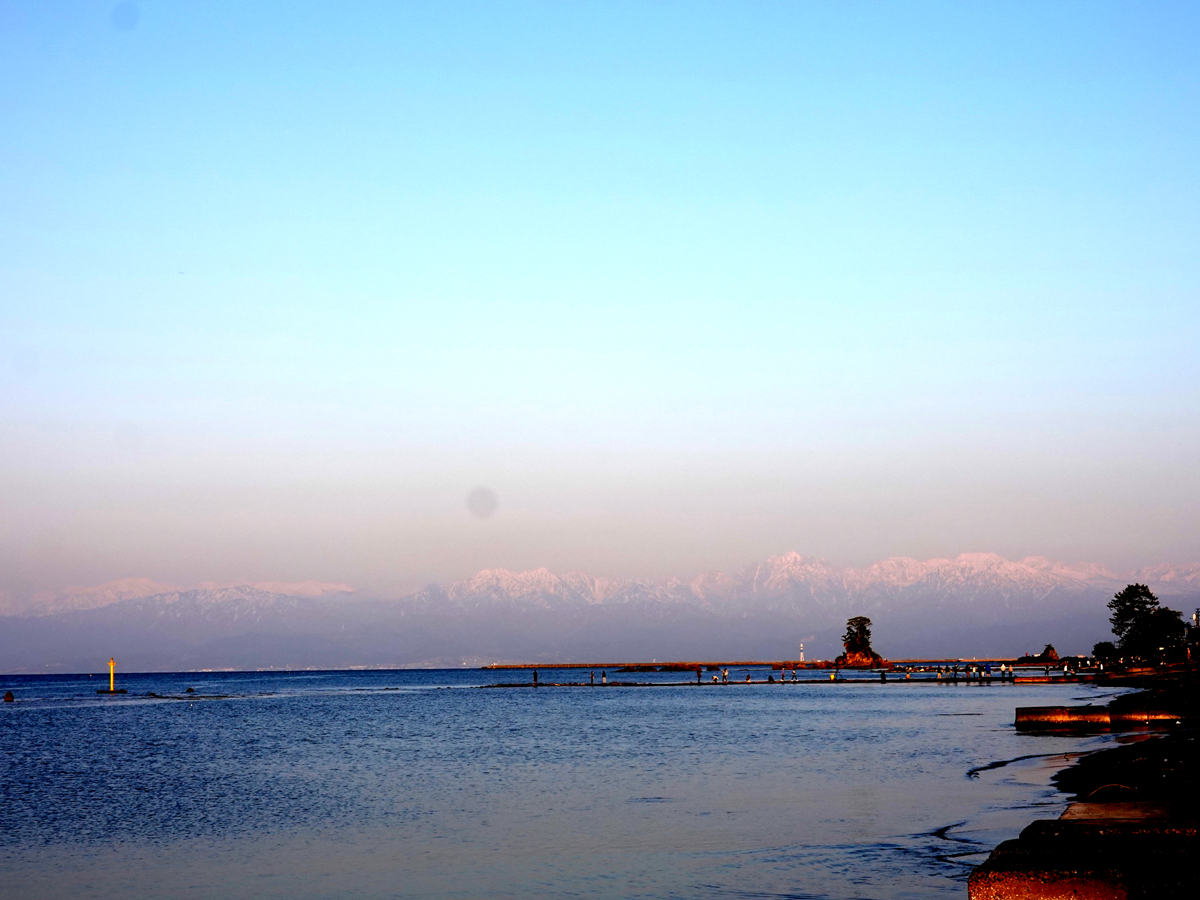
1095,851
1084,718
1133,829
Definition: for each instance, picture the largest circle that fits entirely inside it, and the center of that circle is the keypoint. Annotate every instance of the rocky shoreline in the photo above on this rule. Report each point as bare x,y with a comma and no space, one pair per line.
1132,829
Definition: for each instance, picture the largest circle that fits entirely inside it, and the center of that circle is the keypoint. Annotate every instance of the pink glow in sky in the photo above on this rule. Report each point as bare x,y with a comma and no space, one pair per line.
680,286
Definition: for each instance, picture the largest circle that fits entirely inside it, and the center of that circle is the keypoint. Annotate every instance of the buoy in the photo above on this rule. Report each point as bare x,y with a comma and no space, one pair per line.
8,697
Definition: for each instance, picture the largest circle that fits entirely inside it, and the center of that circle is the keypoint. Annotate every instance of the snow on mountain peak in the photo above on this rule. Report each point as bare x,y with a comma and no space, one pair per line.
1181,576
1089,573
779,581
790,568
506,584
896,571
286,588
79,598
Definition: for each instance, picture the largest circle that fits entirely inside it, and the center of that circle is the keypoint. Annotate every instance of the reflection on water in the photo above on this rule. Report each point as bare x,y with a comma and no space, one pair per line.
412,783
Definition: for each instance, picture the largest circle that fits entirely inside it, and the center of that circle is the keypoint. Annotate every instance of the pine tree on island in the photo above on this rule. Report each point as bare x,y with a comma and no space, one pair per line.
857,641
1048,655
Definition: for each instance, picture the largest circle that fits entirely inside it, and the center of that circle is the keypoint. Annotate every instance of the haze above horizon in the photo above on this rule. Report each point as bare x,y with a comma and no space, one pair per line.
679,286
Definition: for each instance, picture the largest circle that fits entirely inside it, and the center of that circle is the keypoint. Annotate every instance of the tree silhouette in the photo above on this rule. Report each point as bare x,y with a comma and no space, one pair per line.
1143,628
1130,608
857,638
1161,630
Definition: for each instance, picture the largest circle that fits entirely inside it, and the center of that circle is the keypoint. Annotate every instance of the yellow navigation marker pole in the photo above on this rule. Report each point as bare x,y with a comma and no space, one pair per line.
112,676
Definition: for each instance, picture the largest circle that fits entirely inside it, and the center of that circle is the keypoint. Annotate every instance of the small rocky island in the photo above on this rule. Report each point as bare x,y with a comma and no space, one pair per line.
857,642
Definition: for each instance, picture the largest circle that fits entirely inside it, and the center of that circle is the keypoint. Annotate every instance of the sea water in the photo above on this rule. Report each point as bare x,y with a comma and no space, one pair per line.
370,784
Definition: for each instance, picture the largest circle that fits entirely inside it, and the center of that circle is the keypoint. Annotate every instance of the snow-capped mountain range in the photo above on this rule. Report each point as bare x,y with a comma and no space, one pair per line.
792,581
974,604
789,578
81,598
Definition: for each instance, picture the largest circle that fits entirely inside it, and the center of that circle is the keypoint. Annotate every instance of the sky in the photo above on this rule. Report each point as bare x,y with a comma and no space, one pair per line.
388,293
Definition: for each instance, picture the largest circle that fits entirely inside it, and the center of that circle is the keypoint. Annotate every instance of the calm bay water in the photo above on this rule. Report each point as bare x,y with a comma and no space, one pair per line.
418,784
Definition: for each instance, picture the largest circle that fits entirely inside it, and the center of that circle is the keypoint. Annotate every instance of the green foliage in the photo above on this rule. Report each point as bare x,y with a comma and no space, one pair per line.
857,638
1049,653
1105,651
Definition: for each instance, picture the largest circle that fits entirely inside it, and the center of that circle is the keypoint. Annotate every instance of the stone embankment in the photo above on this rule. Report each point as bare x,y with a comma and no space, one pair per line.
1132,830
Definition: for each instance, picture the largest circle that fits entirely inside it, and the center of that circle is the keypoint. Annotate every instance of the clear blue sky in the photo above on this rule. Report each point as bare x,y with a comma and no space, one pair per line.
684,284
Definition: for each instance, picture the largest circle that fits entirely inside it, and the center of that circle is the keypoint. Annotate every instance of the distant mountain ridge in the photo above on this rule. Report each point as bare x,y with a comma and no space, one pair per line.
974,604
81,598
775,576
790,574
